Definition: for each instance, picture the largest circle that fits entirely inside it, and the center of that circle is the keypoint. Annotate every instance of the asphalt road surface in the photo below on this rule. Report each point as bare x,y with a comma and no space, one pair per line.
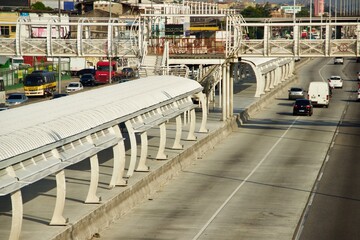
257,183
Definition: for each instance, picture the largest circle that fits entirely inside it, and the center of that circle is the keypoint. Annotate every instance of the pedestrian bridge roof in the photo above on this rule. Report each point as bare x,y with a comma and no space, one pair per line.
36,125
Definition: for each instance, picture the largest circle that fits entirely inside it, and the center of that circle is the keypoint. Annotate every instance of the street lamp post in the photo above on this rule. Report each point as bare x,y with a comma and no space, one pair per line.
294,15
110,47
59,58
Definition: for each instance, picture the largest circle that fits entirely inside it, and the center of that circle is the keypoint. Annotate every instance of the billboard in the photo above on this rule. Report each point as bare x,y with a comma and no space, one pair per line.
17,3
174,29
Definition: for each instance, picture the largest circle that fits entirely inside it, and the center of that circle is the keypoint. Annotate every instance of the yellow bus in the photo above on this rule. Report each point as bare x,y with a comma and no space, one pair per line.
40,83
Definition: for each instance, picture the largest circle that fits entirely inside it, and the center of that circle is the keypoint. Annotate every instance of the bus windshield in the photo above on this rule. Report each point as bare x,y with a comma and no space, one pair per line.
32,80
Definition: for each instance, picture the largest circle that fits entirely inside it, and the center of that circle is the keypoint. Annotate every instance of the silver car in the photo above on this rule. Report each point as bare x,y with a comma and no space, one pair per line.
296,93
16,98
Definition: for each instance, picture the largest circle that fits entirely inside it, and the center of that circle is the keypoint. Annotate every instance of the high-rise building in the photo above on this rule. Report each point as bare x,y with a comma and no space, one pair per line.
318,7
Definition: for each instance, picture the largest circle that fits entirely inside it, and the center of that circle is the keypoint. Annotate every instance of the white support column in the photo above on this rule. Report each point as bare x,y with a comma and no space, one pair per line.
327,40
57,218
266,40
231,88
224,91
177,144
296,36
203,102
133,150
17,215
228,91
267,82
161,152
143,155
191,135
119,161
272,79
94,181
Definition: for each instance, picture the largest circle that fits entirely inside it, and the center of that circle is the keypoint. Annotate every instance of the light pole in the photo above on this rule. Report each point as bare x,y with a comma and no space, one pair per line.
110,47
294,15
59,58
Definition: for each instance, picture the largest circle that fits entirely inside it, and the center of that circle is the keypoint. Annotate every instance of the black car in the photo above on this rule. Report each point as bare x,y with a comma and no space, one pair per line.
59,95
88,79
303,107
86,71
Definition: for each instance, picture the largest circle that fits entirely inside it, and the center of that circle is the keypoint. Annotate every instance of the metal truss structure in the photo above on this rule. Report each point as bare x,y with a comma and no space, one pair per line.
124,37
99,37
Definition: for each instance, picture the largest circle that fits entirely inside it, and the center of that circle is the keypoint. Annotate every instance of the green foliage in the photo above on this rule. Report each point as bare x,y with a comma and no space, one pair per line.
259,11
303,13
40,6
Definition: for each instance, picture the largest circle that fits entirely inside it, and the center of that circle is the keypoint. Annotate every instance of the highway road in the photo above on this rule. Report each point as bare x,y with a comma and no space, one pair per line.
334,209
258,183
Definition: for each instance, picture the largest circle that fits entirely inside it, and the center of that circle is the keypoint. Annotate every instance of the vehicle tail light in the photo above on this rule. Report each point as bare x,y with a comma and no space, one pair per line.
308,106
327,97
295,106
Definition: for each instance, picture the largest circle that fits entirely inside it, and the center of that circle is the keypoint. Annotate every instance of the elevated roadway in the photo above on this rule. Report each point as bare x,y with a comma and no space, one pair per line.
258,182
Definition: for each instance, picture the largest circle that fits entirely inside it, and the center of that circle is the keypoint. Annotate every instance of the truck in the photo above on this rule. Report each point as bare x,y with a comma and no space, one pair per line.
103,71
76,64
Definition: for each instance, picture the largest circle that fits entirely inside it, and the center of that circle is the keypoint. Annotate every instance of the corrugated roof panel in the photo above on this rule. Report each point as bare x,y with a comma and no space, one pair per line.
35,125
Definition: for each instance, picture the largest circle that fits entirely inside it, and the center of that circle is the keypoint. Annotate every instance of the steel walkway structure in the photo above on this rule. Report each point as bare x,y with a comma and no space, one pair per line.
125,37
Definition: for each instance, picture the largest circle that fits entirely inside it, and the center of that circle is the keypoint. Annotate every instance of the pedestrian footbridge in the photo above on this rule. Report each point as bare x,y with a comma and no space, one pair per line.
41,139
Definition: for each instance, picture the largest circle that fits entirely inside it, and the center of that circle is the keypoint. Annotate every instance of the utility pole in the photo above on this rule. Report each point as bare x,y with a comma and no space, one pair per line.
110,41
59,58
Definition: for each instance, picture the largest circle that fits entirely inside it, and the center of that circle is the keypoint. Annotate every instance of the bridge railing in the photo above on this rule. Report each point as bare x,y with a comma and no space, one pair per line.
324,40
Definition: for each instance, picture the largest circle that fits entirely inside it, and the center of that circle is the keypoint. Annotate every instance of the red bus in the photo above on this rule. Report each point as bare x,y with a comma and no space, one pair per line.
102,71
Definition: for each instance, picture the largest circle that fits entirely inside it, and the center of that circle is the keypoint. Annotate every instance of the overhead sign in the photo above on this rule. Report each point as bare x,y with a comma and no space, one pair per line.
174,29
290,9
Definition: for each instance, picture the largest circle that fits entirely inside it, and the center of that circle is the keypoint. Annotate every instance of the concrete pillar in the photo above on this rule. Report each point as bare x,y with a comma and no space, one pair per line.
224,92
232,67
57,218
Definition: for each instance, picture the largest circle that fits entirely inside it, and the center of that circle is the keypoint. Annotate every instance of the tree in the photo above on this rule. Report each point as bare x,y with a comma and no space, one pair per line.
259,11
40,6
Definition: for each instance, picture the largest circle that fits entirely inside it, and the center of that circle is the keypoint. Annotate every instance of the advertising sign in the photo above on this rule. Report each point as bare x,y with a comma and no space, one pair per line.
174,29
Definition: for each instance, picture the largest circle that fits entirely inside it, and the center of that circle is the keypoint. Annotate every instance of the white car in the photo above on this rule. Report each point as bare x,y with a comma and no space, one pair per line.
74,87
339,60
335,82
358,95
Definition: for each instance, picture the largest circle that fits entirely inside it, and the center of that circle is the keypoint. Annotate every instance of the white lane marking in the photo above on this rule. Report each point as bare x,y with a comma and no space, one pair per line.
243,182
320,176
321,69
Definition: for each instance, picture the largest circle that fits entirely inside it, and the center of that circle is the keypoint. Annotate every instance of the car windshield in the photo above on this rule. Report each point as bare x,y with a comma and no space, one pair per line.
295,89
302,102
15,96
87,76
73,85
335,78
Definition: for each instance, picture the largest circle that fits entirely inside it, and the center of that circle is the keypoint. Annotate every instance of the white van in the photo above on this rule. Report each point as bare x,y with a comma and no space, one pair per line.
319,93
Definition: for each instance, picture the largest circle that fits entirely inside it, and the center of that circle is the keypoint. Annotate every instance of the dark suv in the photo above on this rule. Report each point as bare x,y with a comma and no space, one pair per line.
88,79
85,71
303,107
